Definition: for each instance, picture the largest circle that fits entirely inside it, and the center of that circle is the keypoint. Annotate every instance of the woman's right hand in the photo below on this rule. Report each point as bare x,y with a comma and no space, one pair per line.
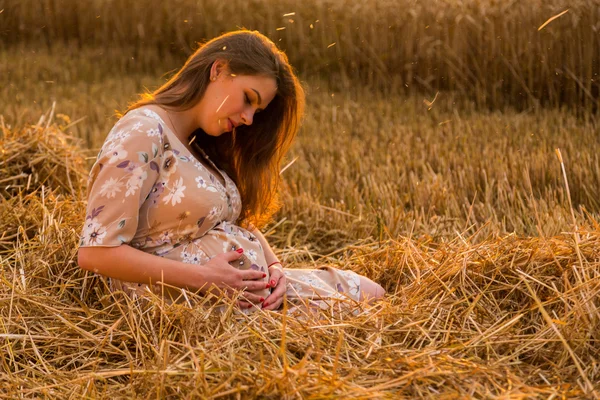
218,275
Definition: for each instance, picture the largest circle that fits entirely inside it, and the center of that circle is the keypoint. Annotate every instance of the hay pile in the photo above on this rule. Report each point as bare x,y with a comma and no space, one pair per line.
508,317
41,171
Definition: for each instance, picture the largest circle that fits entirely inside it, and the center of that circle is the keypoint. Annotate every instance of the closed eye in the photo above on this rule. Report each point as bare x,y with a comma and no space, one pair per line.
249,102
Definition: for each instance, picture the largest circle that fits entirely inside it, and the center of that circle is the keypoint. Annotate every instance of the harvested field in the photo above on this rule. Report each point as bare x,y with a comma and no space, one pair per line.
451,197
495,316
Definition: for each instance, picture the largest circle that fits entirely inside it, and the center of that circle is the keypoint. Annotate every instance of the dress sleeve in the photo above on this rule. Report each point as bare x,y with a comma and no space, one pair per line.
121,179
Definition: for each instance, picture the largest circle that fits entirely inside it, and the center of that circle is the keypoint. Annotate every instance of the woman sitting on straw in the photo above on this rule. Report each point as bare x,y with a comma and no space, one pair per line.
188,172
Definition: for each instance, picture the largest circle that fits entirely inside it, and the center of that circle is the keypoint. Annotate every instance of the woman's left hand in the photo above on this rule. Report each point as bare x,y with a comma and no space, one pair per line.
278,282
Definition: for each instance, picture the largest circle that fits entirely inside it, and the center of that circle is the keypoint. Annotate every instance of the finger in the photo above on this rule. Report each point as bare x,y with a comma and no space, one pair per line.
252,286
251,275
277,294
232,255
252,297
280,288
244,304
274,279
275,305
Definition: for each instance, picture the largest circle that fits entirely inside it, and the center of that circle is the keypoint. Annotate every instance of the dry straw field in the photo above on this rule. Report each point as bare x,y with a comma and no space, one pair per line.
458,206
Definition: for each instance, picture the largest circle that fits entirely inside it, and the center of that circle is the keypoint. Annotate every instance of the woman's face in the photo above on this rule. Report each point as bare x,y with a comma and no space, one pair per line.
232,100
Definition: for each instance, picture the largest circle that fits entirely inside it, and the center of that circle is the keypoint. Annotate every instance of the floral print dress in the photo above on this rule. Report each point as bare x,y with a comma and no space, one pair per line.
147,190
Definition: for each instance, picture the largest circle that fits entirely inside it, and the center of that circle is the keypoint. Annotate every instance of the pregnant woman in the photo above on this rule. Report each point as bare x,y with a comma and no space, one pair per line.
188,173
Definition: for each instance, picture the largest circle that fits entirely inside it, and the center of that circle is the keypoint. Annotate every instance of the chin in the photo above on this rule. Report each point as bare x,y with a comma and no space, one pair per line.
218,131
215,133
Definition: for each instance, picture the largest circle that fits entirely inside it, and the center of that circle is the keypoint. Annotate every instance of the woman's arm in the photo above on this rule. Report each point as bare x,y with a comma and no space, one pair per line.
132,265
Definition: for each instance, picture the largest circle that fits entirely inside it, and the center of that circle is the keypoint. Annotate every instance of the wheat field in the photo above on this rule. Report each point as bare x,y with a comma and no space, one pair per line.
490,51
427,161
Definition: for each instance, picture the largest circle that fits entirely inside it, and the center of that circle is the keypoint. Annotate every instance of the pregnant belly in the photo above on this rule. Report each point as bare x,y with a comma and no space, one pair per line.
223,238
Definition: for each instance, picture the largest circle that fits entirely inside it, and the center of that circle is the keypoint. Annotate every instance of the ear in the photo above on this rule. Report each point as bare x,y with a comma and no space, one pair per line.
217,69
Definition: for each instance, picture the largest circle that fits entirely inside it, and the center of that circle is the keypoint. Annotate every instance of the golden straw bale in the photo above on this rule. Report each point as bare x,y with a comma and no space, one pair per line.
40,165
40,155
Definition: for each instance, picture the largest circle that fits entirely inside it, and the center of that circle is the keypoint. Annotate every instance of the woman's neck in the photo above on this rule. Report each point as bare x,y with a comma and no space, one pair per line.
182,122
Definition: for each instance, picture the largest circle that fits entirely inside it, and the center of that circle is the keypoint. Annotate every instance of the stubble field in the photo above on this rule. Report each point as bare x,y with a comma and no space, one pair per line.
458,206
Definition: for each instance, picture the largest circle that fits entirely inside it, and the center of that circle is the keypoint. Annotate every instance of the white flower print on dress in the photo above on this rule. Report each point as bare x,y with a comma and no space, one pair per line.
110,188
136,126
152,114
312,280
175,193
93,233
251,254
201,182
138,176
153,132
117,136
117,153
198,165
204,184
184,255
229,229
194,258
353,281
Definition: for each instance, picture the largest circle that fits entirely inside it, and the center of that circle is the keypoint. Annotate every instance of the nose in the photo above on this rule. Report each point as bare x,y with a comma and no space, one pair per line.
247,117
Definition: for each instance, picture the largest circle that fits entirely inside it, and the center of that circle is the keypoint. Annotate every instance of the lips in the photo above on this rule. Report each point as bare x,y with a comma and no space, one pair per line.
229,125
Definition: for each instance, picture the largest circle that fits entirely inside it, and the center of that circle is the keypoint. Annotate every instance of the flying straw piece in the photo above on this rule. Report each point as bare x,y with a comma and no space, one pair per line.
331,45
289,14
552,19
430,103
280,29
287,166
224,100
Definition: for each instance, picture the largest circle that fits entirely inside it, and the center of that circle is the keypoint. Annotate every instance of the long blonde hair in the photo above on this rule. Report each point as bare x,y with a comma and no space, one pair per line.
251,155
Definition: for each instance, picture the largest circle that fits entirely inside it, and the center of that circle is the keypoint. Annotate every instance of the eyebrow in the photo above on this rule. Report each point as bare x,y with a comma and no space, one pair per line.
258,94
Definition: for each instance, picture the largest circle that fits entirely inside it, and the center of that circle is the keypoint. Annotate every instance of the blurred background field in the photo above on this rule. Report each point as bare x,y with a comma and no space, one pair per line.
490,50
426,161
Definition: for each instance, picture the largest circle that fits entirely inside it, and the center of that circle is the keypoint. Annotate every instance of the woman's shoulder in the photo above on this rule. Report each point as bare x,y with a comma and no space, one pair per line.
142,116
135,127
145,112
